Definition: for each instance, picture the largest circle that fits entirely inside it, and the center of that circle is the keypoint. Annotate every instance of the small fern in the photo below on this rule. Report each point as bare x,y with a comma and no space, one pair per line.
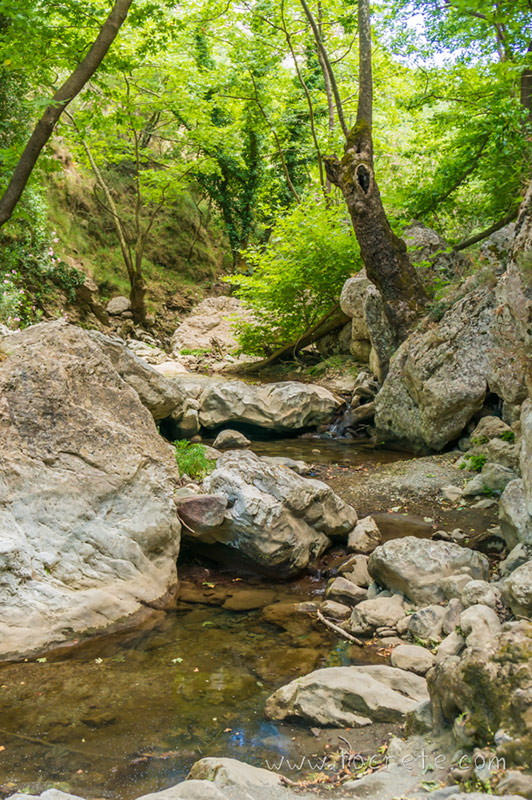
191,459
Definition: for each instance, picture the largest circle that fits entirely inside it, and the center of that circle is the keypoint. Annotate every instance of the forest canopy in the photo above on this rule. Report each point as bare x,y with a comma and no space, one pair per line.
237,107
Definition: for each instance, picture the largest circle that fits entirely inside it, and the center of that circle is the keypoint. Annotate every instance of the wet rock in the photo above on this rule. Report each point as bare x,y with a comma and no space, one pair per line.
293,617
377,613
210,326
249,599
348,696
330,608
281,665
517,590
417,567
412,658
225,773
426,624
202,511
229,439
365,536
343,591
277,520
89,534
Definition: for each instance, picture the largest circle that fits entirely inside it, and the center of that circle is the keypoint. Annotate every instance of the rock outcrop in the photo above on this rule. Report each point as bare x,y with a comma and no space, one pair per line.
277,521
348,696
486,692
88,530
210,326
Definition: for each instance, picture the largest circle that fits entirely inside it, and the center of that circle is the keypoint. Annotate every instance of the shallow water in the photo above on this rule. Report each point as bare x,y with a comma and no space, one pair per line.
129,715
132,716
320,450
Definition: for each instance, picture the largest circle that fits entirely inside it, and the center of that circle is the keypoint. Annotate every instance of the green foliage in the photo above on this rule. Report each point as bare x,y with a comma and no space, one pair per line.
191,459
297,277
474,462
30,269
507,436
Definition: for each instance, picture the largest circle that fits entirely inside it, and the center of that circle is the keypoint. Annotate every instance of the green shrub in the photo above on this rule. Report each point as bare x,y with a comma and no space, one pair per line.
191,459
507,436
297,277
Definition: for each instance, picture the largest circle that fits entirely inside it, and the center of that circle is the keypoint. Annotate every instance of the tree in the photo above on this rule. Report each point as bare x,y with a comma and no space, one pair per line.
383,253
60,101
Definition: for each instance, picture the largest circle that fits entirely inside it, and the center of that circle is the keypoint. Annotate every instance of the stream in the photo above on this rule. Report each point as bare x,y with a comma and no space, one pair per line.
129,714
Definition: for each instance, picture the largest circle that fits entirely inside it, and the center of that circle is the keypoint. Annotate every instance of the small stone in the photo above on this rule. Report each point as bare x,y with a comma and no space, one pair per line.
452,493
343,591
330,608
230,440
117,305
413,658
426,624
365,536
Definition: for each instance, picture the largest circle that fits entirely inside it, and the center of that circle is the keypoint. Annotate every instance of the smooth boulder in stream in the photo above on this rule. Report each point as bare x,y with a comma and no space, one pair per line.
88,530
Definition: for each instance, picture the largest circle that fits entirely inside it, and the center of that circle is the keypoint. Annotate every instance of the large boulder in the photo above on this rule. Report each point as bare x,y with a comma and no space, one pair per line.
348,696
160,396
438,377
418,567
487,690
441,375
277,520
276,406
88,530
517,590
210,325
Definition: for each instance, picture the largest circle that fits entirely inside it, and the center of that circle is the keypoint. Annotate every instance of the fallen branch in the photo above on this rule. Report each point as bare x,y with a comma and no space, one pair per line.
509,217
338,630
330,322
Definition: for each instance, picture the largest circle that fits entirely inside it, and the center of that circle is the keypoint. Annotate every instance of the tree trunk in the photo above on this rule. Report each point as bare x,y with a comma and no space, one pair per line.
384,254
61,99
137,297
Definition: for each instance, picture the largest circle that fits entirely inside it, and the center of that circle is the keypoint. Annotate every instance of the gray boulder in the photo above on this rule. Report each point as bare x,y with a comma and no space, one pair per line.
343,591
379,612
412,658
226,773
364,537
229,439
517,590
276,406
426,624
514,519
277,520
89,534
348,696
161,396
210,326
416,567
